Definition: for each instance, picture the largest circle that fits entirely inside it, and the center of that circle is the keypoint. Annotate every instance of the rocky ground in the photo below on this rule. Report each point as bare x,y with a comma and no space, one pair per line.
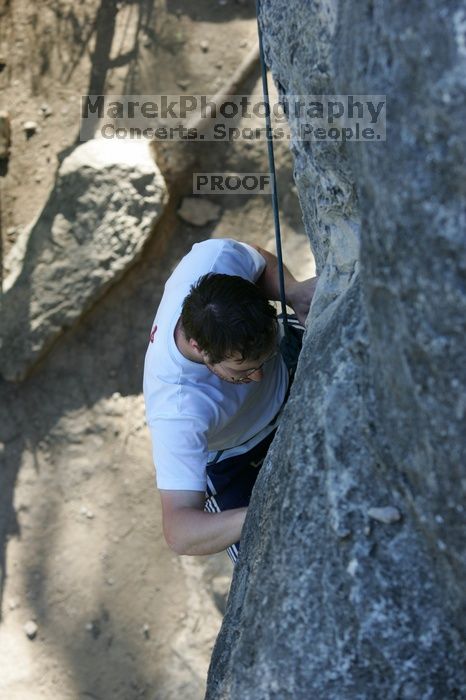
112,612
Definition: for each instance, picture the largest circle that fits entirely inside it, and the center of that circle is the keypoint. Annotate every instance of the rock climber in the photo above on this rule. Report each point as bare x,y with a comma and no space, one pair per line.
215,383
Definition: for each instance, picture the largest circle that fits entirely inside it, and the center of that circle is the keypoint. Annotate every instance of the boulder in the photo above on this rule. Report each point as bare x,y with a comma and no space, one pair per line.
350,581
197,211
102,209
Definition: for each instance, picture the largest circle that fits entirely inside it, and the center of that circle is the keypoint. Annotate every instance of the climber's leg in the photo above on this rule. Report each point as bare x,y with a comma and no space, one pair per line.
230,482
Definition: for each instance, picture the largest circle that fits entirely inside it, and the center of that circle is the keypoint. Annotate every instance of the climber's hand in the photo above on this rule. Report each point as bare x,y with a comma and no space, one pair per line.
299,297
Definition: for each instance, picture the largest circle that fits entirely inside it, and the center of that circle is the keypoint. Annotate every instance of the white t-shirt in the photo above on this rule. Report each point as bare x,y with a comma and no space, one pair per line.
192,413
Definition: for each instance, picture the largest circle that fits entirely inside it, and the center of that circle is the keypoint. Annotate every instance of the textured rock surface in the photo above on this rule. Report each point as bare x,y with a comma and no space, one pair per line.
107,197
328,602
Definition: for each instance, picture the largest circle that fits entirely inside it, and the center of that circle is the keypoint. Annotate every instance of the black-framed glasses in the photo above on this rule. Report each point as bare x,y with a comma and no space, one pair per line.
244,374
248,372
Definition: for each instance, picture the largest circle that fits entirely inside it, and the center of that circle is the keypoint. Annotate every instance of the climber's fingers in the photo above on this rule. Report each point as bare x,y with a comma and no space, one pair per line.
302,297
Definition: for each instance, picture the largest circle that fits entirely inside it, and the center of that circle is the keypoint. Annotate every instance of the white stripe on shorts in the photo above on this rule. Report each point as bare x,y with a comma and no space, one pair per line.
211,506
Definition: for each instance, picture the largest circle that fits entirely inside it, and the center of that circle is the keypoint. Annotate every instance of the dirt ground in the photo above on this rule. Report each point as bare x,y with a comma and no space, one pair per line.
82,555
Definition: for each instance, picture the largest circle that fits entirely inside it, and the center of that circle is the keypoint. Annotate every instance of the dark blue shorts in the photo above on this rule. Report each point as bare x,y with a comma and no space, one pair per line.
230,481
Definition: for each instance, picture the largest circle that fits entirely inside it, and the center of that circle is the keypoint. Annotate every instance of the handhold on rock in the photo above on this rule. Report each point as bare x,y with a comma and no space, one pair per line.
352,567
386,514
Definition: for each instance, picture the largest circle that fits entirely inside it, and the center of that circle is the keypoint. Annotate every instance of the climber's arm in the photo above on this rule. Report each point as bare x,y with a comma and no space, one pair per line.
298,295
188,529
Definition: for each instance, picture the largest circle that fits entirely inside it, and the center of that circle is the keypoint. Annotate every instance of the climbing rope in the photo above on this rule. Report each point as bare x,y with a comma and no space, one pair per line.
269,136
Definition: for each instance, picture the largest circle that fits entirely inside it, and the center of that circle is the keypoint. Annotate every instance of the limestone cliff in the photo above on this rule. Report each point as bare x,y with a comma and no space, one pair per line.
351,578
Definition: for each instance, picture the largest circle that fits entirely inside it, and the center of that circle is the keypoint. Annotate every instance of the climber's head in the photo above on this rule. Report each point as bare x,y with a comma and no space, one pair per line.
232,324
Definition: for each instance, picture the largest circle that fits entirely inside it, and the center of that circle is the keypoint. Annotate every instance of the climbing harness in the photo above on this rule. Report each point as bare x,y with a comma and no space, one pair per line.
289,346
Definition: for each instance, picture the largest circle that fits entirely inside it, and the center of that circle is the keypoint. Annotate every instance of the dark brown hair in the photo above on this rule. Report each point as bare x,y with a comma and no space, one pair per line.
226,314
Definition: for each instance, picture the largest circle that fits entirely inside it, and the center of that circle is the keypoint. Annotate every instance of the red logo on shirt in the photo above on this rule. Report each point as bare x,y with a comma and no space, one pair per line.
154,331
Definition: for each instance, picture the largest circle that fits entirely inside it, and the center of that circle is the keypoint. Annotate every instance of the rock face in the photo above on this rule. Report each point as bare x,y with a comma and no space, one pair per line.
107,197
350,582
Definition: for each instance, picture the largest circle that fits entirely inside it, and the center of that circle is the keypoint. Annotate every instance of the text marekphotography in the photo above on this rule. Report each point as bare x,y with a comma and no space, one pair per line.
206,118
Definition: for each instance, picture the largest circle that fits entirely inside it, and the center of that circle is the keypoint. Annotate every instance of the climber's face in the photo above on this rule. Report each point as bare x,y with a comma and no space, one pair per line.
239,371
